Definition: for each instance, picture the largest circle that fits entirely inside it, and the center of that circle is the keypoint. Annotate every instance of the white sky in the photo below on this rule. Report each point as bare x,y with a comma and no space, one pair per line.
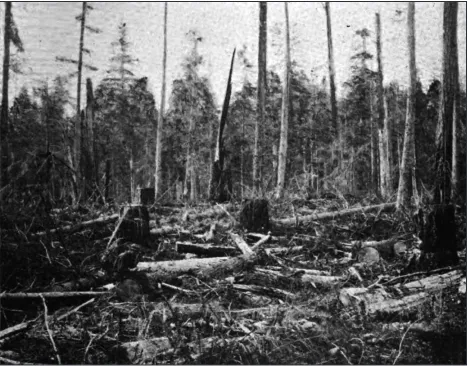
50,29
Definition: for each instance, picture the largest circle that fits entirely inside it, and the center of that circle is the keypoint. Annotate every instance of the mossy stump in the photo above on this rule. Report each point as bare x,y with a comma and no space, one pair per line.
254,215
135,225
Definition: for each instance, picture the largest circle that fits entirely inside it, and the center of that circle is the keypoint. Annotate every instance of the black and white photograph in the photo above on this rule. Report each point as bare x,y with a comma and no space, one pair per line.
235,183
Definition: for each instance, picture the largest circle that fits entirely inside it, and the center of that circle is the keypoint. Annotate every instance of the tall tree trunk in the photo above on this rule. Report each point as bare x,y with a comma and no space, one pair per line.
456,188
159,131
242,161
108,179
407,167
88,143
78,121
390,150
93,151
283,146
261,95
385,178
4,113
448,97
374,147
331,70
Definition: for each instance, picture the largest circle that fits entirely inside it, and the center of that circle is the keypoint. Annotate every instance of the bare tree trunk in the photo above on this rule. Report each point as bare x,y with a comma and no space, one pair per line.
385,179
77,140
445,133
261,95
242,161
407,167
456,189
108,179
374,149
132,176
283,146
4,112
159,130
331,70
455,147
389,146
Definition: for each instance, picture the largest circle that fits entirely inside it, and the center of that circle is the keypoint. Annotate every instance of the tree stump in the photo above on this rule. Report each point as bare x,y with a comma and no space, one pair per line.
254,215
135,225
146,196
439,245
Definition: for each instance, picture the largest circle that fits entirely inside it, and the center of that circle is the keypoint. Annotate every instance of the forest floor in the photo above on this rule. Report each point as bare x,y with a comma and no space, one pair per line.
317,289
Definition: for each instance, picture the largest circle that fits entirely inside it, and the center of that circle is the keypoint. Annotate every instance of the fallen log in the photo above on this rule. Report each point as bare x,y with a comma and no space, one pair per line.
322,280
262,241
416,274
378,300
208,250
38,295
285,250
302,325
270,277
386,248
169,230
200,267
395,299
434,283
315,272
18,328
70,229
241,244
387,207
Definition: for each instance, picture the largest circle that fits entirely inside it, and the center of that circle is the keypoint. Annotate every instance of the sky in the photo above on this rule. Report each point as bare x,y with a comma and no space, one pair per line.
50,29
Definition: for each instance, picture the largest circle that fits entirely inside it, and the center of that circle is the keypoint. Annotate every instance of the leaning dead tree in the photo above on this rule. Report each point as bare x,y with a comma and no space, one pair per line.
219,190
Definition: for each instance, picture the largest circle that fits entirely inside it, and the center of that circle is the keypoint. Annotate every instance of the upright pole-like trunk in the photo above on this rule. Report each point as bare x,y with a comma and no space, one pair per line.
88,143
242,161
448,97
78,121
331,70
132,176
283,146
374,146
407,167
159,131
4,113
94,171
456,189
261,95
385,178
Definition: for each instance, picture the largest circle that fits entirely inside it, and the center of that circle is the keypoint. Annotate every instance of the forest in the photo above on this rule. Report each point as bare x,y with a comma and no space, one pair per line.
291,217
